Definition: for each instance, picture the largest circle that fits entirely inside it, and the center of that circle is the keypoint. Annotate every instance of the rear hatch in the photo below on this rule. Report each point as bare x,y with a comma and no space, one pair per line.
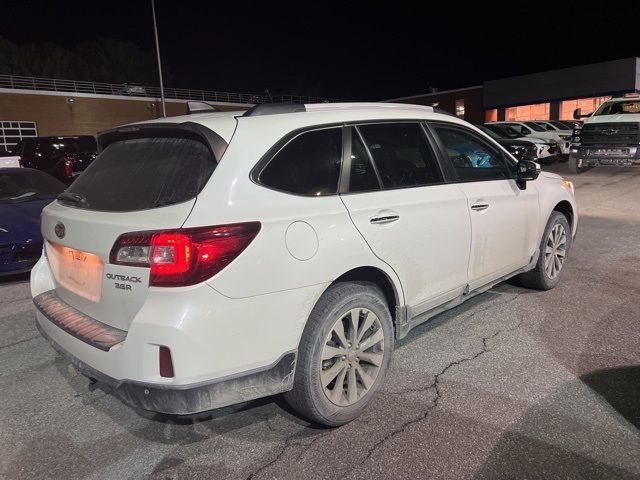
144,179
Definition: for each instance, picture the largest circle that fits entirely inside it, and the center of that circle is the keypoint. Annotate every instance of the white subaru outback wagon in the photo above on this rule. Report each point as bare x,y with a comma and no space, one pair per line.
215,258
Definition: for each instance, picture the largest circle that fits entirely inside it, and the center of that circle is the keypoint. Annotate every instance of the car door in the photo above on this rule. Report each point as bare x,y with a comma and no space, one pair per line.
412,220
504,217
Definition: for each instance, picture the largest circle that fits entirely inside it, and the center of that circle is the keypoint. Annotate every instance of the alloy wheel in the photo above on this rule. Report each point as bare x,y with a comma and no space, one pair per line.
352,355
555,251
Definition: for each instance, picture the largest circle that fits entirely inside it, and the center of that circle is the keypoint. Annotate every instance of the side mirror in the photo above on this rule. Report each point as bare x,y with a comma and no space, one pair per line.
577,113
527,171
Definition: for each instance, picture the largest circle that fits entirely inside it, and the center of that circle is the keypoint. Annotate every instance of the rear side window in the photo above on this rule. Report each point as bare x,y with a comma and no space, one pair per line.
307,165
402,154
144,173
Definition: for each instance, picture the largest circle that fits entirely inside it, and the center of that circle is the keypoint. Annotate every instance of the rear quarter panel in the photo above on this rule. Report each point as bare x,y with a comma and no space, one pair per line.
268,265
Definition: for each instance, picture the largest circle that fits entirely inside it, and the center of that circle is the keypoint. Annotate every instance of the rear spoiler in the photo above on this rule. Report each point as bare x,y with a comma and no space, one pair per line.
200,107
216,144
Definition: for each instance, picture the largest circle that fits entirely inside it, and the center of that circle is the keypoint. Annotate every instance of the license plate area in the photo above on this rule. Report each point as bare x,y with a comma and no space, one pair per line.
76,271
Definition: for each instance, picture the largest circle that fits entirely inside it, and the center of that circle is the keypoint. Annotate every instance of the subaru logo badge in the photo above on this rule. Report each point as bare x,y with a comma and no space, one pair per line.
60,230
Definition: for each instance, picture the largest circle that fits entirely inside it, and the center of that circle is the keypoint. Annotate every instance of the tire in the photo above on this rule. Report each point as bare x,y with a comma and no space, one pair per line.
310,398
545,276
573,165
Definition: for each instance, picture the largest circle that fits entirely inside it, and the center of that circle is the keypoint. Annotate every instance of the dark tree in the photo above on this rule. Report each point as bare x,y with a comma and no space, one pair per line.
104,60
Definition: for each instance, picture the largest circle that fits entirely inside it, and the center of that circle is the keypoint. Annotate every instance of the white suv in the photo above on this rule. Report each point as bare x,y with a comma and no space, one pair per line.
214,258
563,139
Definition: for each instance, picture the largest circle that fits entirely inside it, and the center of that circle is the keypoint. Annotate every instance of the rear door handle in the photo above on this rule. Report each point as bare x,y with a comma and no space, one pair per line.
384,217
478,207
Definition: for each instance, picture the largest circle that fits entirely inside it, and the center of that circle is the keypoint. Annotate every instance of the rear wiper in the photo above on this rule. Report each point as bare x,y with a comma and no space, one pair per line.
73,198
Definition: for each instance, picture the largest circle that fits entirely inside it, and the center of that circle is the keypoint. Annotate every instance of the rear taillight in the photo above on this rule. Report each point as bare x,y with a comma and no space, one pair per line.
20,162
185,256
67,167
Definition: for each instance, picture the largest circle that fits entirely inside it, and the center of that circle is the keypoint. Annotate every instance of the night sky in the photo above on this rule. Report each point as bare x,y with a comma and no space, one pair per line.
346,50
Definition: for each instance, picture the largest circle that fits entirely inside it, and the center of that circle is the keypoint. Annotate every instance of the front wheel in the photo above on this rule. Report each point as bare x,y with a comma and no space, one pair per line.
554,248
344,354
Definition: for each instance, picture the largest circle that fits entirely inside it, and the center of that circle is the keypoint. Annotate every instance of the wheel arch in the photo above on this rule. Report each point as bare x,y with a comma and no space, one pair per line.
566,209
379,278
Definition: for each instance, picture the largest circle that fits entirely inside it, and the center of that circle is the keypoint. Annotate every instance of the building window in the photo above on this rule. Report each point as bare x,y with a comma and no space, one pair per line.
587,105
491,115
460,108
523,113
11,132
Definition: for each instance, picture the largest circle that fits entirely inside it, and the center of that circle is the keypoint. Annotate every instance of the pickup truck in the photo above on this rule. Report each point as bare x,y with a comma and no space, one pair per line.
9,160
609,136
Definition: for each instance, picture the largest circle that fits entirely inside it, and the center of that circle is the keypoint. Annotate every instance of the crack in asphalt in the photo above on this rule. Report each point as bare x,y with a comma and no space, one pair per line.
288,443
461,319
20,341
435,384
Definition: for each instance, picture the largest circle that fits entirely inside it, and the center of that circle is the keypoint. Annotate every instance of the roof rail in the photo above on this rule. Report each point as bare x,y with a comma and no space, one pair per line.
317,107
274,109
200,107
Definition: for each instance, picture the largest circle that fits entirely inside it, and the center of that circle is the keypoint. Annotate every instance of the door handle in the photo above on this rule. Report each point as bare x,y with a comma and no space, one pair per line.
478,207
383,218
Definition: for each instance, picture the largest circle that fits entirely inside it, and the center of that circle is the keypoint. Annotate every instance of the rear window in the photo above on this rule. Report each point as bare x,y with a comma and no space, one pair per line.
144,173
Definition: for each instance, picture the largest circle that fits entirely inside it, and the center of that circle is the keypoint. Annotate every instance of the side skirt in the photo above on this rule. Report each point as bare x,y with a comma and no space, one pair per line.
414,320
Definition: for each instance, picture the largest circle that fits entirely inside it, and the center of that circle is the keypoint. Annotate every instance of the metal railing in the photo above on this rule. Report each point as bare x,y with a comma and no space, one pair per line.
135,90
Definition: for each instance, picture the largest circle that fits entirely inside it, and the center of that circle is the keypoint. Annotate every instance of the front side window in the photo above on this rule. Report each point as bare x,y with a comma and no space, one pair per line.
472,158
401,154
618,108
307,165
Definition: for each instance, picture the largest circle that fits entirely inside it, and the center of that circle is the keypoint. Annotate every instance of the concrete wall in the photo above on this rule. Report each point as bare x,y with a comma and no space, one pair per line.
87,114
473,102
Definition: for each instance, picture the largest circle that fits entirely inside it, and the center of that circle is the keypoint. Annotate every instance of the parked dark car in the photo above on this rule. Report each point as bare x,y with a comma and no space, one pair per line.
520,149
63,157
24,192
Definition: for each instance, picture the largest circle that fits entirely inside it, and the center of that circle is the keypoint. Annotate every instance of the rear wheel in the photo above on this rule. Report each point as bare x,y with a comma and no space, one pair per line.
554,248
344,354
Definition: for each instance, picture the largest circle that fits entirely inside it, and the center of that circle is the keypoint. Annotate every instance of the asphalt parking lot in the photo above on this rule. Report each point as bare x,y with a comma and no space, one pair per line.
513,384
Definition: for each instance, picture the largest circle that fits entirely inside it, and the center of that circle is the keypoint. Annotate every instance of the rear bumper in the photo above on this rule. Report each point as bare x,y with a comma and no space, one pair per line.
224,350
193,398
